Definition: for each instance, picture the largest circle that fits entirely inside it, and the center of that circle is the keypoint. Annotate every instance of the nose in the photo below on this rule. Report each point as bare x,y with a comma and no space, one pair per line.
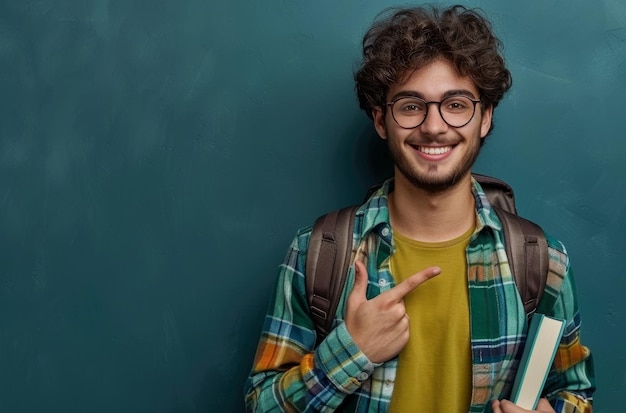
433,123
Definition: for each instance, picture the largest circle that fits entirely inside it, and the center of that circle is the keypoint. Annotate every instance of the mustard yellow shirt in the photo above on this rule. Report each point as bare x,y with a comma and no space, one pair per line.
435,368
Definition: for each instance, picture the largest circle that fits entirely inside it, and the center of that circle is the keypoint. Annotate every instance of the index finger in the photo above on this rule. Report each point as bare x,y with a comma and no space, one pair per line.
414,281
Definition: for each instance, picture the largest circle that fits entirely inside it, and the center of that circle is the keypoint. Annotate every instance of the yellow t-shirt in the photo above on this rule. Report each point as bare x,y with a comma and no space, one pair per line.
435,368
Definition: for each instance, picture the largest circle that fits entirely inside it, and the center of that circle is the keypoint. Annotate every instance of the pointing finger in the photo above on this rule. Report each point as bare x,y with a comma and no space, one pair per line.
411,283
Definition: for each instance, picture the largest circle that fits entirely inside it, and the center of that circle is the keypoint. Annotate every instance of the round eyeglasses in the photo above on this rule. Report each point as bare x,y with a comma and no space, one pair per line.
409,112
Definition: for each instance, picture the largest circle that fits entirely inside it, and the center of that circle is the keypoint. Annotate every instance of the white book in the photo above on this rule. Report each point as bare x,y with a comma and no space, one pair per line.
544,336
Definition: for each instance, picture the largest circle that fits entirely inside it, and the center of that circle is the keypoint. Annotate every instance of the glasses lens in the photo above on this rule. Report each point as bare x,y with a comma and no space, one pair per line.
457,111
409,112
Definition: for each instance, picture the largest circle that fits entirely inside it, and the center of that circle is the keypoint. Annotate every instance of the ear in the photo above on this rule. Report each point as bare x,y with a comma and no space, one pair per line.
379,121
485,122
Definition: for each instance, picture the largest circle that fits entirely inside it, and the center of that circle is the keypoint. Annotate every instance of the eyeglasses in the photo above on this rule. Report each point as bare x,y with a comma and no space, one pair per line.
409,112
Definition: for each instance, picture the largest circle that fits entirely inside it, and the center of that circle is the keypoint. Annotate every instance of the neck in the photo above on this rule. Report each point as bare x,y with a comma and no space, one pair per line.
432,217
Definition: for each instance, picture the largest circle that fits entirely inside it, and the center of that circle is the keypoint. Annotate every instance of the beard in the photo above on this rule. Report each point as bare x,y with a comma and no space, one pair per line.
433,180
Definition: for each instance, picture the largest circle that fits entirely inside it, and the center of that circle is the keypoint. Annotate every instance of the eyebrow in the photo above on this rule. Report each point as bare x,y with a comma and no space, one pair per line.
413,93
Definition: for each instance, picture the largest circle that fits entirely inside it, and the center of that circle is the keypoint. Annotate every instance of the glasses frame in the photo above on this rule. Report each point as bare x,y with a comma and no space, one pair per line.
432,102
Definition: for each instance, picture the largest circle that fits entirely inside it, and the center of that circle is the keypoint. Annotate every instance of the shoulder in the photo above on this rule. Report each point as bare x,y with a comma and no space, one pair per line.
559,278
557,254
304,234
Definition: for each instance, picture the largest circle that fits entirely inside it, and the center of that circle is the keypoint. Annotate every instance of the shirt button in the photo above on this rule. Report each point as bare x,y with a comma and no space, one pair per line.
388,383
382,282
385,232
362,376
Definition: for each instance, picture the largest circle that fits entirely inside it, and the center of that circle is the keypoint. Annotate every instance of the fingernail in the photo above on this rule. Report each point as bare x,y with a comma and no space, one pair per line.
436,271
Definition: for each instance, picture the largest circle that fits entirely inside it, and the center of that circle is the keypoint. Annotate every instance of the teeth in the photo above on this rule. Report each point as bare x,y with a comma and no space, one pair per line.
434,151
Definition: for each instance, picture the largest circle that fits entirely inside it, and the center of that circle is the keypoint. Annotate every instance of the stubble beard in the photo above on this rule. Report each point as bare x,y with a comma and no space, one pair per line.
432,181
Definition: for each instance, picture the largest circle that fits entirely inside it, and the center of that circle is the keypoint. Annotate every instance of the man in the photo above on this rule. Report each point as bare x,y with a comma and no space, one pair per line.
446,338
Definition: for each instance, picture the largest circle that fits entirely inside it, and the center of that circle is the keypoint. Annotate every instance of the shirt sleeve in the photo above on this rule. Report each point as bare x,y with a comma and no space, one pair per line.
571,383
289,374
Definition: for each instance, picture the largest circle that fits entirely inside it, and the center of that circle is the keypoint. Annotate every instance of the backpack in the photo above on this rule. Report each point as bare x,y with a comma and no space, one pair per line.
330,250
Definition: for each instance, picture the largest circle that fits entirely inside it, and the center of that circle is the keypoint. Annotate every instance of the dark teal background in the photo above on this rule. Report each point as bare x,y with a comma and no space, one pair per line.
156,158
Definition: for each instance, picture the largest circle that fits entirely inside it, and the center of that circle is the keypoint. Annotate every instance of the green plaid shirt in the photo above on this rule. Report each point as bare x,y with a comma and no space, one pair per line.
291,375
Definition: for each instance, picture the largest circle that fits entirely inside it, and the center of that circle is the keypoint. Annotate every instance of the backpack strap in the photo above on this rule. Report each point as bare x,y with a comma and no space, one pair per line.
498,192
527,251
328,259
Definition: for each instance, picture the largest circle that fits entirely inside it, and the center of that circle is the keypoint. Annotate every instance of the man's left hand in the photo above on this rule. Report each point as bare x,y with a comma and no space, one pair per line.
505,406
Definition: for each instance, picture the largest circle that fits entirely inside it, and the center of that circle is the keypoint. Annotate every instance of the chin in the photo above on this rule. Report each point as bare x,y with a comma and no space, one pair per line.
433,182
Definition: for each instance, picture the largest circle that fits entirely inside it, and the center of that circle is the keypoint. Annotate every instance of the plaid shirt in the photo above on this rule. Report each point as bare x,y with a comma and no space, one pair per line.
291,375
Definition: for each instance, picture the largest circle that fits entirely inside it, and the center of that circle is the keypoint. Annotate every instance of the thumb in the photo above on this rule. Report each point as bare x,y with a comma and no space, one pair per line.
359,291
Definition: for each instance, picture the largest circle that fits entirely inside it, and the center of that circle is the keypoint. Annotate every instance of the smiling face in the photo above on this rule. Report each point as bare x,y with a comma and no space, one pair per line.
433,156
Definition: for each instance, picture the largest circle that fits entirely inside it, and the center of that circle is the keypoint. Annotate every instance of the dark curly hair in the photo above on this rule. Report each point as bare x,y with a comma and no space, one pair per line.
404,40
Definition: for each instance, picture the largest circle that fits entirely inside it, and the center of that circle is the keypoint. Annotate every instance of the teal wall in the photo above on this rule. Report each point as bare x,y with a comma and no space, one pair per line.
156,158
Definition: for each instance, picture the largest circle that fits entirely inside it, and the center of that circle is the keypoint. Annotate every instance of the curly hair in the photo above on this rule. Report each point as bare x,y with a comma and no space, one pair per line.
398,44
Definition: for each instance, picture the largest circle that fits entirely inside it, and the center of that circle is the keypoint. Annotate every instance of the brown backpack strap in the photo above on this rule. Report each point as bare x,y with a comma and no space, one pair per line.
328,259
498,192
527,250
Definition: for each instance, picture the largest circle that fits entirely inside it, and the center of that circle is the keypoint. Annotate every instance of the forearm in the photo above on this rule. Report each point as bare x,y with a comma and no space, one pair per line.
571,383
275,391
319,383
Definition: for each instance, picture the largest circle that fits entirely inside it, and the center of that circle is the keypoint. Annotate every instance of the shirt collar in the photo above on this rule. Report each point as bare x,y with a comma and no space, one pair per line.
485,214
375,211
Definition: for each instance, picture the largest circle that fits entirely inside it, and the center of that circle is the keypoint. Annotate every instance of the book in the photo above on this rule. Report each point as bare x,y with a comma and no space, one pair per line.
542,342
